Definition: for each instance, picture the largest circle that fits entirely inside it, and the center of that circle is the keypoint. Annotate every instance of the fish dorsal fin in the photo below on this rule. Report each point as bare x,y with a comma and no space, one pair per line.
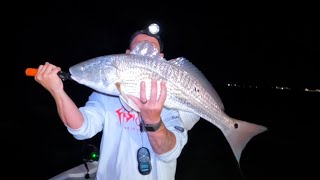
185,65
146,48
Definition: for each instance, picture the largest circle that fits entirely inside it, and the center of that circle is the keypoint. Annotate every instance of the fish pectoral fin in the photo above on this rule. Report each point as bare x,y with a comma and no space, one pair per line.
128,104
126,100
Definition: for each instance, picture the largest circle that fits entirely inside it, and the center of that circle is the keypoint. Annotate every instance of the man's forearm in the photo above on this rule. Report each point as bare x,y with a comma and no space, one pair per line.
162,140
68,110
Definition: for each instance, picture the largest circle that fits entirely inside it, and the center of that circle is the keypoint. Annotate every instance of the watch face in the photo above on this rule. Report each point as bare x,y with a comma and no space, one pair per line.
148,128
153,127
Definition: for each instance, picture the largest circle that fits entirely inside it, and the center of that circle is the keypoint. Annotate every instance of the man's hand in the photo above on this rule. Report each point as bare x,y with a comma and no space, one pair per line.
47,76
150,110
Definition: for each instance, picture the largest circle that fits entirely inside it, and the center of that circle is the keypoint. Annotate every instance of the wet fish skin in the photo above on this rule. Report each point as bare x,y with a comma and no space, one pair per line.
187,89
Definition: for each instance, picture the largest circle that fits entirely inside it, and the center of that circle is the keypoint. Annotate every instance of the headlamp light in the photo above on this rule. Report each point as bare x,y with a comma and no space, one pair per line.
153,31
154,28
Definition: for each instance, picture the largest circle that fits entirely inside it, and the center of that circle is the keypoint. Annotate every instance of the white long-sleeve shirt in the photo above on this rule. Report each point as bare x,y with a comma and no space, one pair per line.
121,139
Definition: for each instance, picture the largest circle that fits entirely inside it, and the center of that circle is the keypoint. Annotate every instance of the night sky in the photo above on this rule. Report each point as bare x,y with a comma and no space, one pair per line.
263,50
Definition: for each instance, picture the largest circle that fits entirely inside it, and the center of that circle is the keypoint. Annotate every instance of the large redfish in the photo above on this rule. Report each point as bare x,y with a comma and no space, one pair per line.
188,90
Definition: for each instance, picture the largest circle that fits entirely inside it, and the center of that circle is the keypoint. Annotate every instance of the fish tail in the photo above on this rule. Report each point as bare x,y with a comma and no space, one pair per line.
240,136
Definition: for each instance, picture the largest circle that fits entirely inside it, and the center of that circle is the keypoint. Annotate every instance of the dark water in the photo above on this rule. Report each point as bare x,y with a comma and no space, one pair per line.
288,150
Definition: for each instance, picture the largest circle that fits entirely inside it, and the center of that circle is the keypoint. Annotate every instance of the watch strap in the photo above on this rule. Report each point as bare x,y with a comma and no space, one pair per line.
152,127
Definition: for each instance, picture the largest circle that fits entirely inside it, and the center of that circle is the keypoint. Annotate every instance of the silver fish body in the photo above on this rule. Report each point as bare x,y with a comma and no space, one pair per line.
187,89
185,92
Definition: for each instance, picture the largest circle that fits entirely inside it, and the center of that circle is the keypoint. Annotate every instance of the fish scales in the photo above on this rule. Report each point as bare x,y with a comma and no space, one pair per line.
185,92
188,90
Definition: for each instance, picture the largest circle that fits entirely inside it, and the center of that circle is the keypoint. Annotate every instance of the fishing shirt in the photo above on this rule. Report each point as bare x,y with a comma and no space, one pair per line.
122,137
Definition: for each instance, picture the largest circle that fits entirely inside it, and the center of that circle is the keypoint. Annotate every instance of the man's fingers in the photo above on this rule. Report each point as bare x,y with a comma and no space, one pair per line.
154,91
163,92
143,97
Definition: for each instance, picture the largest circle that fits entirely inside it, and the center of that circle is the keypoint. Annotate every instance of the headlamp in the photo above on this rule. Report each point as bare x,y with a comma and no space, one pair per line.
153,31
154,28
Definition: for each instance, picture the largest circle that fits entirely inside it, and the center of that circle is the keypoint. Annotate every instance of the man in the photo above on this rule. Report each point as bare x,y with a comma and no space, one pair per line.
135,146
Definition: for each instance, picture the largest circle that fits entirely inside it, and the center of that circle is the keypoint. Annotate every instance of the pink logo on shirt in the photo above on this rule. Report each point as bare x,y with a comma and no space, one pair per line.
125,117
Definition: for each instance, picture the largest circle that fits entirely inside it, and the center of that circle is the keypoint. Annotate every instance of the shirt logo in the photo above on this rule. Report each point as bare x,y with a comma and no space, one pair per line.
128,119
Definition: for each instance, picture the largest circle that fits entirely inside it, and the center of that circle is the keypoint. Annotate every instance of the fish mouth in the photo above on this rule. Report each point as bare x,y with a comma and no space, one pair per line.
73,78
76,79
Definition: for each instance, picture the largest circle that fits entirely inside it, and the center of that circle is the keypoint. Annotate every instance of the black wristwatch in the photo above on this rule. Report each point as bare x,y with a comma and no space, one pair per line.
151,127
